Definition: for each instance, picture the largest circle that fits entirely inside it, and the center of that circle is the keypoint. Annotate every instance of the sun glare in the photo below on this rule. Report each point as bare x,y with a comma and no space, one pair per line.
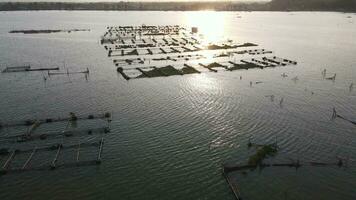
210,24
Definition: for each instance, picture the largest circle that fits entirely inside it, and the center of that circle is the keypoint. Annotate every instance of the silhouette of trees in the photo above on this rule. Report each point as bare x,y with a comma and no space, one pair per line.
274,5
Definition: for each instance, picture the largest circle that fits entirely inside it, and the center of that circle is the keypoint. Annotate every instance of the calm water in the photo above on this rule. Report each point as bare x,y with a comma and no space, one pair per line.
171,135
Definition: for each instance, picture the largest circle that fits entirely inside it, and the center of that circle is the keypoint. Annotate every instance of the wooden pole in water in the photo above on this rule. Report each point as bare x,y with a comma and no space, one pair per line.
33,127
29,158
8,161
53,165
78,152
233,186
98,160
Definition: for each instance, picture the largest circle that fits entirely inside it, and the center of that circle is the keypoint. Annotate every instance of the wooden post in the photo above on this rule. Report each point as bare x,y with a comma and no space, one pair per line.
8,161
33,128
98,160
53,165
78,152
29,159
233,186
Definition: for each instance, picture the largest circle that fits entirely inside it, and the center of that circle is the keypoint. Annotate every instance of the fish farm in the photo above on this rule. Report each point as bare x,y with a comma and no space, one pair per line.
202,110
27,150
258,161
160,51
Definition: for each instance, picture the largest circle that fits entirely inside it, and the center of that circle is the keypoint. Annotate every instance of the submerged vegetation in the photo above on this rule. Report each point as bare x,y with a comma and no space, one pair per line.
263,152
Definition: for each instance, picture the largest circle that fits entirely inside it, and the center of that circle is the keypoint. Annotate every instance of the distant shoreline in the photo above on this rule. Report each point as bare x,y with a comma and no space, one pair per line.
274,5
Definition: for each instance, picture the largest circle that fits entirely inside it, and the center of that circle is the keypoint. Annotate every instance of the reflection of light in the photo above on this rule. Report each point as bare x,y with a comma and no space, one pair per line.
203,82
209,56
210,24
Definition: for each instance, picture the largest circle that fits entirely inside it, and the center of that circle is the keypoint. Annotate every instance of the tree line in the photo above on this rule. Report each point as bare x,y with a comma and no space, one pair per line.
274,5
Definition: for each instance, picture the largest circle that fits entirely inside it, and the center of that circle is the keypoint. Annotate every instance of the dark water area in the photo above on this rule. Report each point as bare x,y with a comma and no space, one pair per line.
170,135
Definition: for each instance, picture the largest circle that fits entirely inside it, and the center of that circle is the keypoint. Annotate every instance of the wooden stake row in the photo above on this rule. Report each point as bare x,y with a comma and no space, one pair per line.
49,136
6,168
72,117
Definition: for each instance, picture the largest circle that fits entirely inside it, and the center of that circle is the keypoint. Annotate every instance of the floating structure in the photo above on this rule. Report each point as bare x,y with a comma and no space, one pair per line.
17,68
138,61
169,49
161,51
27,68
9,151
183,69
48,136
68,73
297,164
256,161
72,117
58,148
184,57
117,34
47,31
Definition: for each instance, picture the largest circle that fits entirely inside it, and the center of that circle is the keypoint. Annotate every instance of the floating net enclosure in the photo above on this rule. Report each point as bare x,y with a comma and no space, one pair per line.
159,51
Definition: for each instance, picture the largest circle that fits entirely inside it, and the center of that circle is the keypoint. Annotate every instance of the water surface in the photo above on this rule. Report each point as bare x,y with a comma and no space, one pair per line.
171,135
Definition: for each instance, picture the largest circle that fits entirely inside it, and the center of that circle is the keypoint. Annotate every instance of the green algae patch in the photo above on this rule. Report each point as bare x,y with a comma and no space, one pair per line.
263,152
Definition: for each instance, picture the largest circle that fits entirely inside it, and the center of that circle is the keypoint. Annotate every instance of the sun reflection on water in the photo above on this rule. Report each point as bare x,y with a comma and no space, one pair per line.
203,83
210,24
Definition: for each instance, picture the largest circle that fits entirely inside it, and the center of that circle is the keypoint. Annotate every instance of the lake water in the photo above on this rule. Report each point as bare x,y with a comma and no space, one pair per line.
171,135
